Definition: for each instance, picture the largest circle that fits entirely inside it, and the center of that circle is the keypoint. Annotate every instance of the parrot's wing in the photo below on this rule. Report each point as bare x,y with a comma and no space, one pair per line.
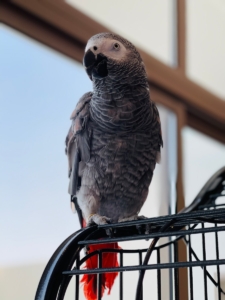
77,143
156,120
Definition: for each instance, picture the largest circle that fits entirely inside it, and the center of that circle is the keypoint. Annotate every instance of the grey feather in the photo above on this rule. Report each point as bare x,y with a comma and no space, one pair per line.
77,142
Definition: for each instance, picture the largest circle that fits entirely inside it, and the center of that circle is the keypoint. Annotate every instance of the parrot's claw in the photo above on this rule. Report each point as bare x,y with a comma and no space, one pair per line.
98,220
147,226
141,217
147,229
132,218
139,227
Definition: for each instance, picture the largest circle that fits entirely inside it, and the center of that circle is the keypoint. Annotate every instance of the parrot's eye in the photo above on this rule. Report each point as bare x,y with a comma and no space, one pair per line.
116,46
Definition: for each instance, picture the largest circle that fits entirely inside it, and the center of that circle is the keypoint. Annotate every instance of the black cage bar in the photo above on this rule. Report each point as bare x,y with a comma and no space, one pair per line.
201,226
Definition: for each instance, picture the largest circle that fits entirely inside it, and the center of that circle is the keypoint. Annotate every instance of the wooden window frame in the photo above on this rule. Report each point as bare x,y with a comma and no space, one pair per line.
65,29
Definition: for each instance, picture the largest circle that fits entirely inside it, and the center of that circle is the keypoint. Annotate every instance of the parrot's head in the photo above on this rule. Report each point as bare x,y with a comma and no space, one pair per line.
109,55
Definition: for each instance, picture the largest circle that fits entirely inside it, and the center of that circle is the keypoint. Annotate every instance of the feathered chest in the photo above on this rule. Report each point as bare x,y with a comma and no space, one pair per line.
120,115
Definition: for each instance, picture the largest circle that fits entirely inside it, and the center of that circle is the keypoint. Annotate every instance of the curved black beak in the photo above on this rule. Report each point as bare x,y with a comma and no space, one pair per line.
95,65
89,59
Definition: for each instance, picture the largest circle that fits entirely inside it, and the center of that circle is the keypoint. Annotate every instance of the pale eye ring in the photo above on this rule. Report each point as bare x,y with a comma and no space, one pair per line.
116,46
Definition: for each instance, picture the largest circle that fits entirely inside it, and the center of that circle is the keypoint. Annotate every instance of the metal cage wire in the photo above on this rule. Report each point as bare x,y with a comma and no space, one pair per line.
205,216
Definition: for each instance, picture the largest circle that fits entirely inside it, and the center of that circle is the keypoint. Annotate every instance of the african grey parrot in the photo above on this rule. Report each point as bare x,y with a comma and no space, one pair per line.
115,138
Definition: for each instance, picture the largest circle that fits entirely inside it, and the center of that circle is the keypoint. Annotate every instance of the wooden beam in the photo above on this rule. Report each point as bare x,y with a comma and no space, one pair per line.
181,35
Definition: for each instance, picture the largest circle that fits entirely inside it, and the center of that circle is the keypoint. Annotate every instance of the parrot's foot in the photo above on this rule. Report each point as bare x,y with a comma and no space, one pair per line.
98,220
147,226
133,218
136,217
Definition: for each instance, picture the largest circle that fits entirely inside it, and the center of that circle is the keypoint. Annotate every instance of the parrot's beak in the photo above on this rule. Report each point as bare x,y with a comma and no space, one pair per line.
95,65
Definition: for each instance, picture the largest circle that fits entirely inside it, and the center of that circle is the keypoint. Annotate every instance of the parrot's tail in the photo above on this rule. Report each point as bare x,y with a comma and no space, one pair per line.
109,260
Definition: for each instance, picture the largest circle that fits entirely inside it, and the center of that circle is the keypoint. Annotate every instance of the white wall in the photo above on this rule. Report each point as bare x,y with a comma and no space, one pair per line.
206,44
202,157
149,24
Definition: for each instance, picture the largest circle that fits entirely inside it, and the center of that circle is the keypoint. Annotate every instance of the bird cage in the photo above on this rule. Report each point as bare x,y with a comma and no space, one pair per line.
198,230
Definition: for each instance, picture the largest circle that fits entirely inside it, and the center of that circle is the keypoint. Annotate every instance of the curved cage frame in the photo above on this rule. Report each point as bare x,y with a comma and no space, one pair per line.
66,262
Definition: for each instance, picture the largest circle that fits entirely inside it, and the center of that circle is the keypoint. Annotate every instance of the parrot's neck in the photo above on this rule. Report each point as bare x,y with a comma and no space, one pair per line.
122,109
122,79
120,85
121,100
118,91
